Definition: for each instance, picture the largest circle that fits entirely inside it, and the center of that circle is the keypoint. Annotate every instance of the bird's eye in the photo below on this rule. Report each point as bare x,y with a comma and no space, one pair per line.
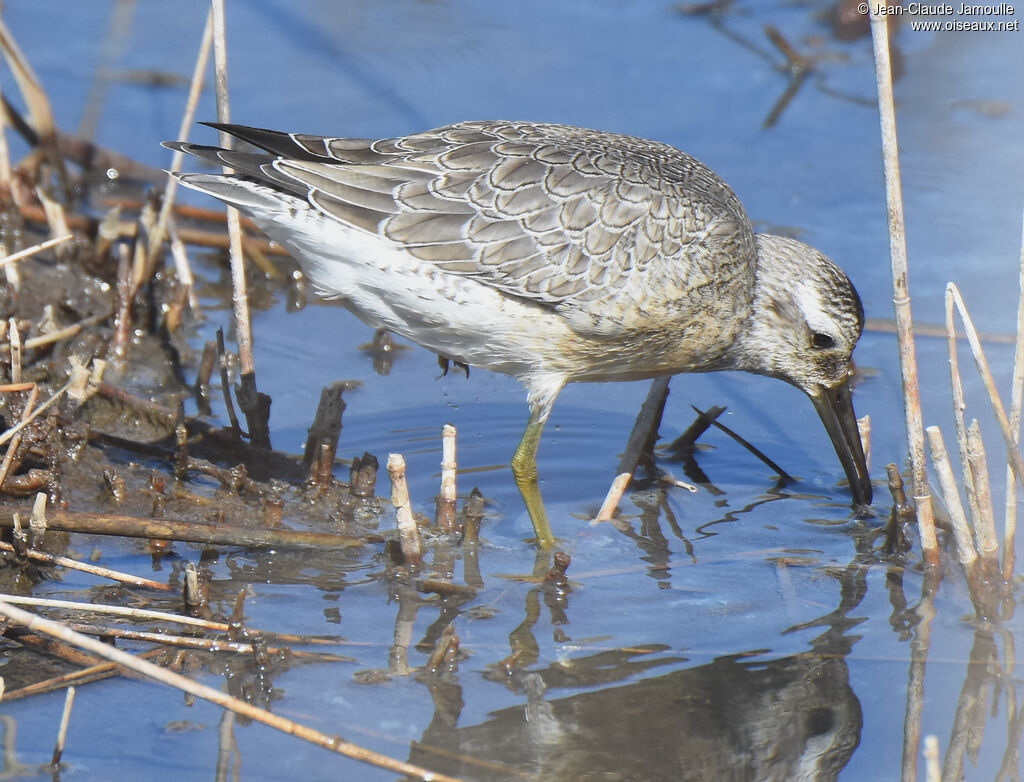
822,341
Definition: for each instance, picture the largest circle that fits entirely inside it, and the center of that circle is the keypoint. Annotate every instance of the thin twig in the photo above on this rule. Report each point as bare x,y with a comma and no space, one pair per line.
333,743
901,295
36,248
85,567
146,614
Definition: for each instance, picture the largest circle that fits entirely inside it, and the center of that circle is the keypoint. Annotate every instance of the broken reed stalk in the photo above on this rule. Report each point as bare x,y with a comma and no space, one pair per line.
408,532
951,497
1016,397
901,295
984,525
959,405
445,511
62,732
1016,463
333,743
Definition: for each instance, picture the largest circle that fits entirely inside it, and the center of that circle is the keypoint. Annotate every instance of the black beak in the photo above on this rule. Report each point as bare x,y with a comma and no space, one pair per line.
835,408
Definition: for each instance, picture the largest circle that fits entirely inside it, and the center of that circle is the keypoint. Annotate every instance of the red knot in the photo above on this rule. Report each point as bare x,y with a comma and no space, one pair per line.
555,255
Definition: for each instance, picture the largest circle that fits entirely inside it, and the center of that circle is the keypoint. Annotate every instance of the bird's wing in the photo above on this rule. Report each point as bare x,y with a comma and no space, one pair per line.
557,215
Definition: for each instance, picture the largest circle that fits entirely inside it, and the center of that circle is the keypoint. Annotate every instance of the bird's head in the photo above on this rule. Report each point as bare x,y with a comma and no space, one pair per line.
805,323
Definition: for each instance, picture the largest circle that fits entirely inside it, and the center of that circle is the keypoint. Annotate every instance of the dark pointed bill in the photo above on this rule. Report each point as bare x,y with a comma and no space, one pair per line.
835,408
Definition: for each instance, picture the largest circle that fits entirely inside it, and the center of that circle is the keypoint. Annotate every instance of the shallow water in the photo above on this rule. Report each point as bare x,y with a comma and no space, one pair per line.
742,634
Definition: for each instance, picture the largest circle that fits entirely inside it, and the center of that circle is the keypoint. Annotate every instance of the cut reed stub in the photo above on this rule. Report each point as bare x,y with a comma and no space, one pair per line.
445,508
362,477
408,532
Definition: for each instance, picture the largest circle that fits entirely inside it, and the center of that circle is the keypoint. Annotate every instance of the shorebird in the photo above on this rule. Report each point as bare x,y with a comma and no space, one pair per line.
555,255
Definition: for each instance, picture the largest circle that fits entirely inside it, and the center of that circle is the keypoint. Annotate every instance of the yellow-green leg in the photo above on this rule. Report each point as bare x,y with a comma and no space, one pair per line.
524,470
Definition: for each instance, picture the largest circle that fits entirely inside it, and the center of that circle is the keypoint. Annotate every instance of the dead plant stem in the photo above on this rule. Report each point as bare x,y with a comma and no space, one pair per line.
195,89
901,295
243,329
1016,395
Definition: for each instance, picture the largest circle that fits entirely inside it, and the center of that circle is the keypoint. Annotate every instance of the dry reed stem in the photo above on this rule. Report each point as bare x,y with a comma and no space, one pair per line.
951,497
64,333
614,496
146,614
181,263
243,329
901,295
84,567
959,405
1016,397
1012,452
5,466
62,732
201,644
141,614
333,743
36,248
447,496
189,532
188,117
56,218
35,99
142,268
984,527
408,532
